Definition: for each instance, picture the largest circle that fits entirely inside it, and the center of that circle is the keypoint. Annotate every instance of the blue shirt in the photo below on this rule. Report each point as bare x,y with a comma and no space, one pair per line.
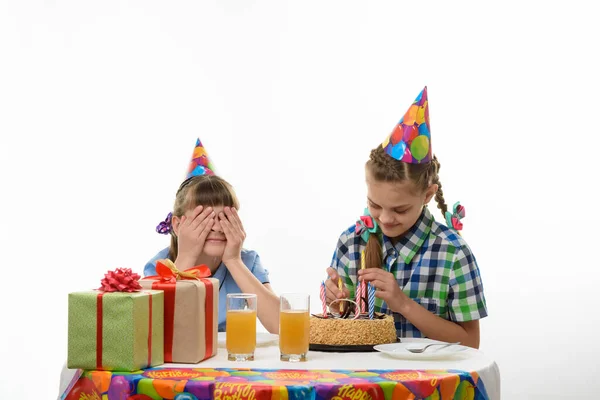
226,282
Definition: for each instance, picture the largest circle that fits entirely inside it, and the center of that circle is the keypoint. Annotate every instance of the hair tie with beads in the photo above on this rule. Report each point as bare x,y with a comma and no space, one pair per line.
453,218
164,228
366,225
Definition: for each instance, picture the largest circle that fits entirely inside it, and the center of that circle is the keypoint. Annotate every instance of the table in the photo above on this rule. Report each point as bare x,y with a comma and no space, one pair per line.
469,374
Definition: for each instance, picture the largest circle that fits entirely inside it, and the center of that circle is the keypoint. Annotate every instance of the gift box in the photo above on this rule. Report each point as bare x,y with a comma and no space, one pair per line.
191,311
116,331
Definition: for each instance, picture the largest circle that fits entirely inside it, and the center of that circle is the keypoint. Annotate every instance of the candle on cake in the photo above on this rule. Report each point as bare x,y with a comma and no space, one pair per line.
323,299
357,311
363,285
371,300
341,288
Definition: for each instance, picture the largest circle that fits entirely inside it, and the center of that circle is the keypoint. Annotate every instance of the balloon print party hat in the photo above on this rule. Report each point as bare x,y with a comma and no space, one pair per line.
410,141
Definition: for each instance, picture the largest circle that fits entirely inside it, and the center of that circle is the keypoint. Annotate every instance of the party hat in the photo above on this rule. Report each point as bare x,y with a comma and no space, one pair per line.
200,163
410,141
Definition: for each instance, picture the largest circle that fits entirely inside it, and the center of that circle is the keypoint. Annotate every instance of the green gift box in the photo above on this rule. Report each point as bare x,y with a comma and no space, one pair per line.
117,331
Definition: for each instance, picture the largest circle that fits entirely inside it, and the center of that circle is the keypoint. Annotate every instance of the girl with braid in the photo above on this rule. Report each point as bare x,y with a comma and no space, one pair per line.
423,272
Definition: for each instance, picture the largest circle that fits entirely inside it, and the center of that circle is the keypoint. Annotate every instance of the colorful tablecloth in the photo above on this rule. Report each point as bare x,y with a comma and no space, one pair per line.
272,384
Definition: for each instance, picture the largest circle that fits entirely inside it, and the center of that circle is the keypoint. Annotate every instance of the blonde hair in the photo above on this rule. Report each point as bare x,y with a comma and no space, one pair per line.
205,190
387,169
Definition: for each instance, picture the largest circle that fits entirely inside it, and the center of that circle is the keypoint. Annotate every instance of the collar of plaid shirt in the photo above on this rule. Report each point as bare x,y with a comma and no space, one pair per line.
409,243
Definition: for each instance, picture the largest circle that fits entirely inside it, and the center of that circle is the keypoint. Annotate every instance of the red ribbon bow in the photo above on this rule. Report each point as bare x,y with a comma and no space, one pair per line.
120,280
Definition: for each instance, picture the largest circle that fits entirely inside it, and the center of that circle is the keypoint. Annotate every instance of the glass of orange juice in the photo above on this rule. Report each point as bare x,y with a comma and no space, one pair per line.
294,327
240,336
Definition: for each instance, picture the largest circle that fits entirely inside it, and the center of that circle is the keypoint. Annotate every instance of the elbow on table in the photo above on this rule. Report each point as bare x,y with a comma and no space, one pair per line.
472,338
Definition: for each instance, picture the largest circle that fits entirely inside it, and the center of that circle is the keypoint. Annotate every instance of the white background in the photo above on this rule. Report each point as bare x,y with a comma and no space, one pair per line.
101,103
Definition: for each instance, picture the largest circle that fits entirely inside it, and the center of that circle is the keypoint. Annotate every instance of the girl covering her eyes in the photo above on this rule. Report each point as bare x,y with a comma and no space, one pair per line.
205,228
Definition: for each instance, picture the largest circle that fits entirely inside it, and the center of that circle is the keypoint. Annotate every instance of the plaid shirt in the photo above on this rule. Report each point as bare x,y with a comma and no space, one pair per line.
433,265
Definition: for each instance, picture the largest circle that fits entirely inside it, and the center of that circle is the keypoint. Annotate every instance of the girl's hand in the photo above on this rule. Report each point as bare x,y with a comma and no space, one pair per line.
386,287
332,290
234,233
192,232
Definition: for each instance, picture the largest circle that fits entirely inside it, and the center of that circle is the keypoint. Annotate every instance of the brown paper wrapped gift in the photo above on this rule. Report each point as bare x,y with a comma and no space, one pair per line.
191,304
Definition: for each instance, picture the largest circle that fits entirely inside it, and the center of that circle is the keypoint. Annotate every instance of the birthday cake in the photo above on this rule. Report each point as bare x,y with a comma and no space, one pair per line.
355,325
350,331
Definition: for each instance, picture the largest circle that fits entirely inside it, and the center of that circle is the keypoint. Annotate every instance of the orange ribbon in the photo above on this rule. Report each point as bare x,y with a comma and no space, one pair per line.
168,272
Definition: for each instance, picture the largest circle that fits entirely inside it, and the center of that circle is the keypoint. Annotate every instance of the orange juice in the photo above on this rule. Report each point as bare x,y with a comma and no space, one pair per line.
241,331
294,329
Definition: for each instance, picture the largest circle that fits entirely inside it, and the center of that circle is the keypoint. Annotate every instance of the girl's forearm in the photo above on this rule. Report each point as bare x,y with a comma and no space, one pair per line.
438,328
268,302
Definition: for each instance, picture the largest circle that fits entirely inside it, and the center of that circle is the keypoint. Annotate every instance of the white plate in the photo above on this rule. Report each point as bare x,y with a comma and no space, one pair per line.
262,339
400,350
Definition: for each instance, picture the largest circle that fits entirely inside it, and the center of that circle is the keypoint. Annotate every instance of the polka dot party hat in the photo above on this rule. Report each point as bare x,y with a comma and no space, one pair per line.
410,141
